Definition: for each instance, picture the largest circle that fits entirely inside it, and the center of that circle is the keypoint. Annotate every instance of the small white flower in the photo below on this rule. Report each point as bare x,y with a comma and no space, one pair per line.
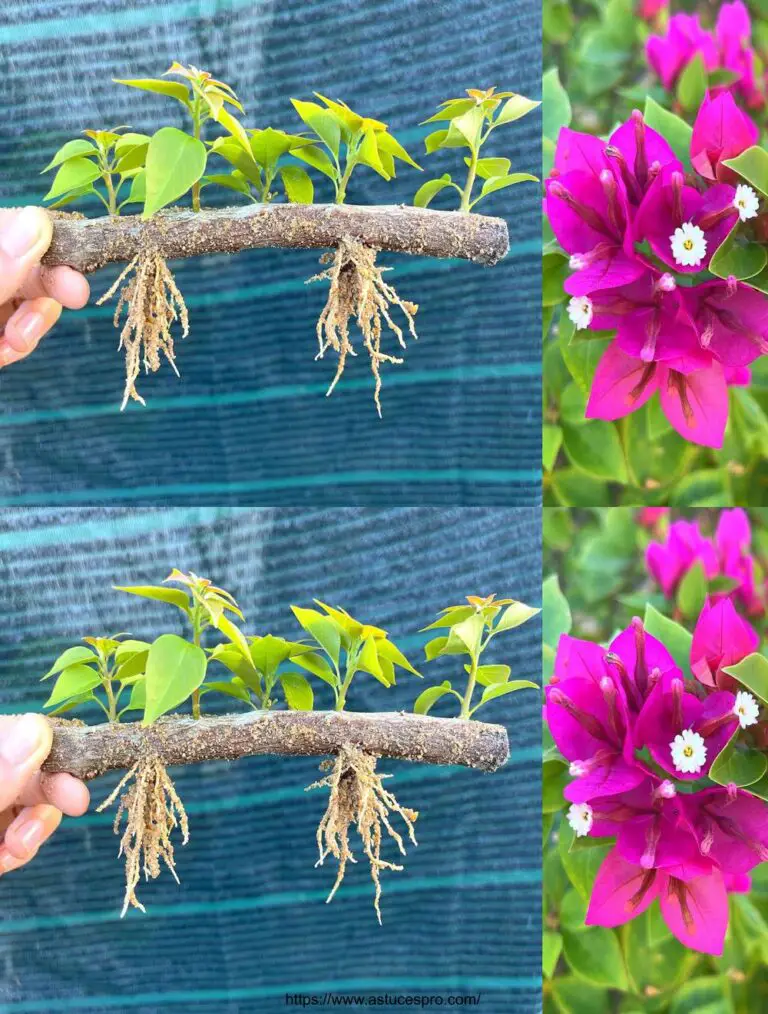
746,202
689,752
746,709
580,818
689,245
580,311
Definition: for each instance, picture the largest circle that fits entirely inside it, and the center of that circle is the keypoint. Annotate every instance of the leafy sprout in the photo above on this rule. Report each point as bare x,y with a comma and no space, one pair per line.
349,140
346,647
255,172
469,123
101,156
469,629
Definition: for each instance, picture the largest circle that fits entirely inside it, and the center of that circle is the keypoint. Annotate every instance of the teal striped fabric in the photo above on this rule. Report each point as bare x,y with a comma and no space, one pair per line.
248,925
248,422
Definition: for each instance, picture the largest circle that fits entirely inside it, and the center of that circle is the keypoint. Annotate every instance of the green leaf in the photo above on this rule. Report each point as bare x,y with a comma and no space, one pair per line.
73,681
298,693
552,945
692,84
557,106
692,592
298,186
368,660
742,260
469,632
175,668
317,158
268,145
594,447
427,191
434,648
752,165
429,697
171,89
581,865
752,673
514,615
318,666
386,649
500,182
675,638
133,158
552,439
79,653
703,995
676,131
487,675
554,778
435,140
450,110
175,162
138,191
234,688
322,629
487,168
574,996
173,596
72,149
556,618
515,108
134,665
595,956
738,767
502,689
74,174
232,181
321,121
138,699
368,154
387,143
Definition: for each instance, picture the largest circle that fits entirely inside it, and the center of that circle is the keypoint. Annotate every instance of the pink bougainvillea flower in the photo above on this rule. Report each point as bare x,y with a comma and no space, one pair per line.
648,9
721,638
683,226
589,216
670,561
721,131
733,539
639,154
578,658
733,33
695,403
650,517
695,910
730,827
730,320
669,55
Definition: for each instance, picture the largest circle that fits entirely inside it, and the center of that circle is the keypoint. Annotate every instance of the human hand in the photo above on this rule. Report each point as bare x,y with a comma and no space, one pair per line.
31,802
31,296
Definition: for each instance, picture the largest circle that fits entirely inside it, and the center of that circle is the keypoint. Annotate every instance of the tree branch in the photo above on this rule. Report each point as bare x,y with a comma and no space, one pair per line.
89,750
89,243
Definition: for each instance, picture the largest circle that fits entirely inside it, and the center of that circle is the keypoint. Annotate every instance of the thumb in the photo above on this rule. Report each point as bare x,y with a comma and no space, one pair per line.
25,235
25,742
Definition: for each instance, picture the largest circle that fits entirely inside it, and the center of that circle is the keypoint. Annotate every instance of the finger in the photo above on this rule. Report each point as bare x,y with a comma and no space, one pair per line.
61,790
25,742
33,826
63,284
25,235
33,319
8,861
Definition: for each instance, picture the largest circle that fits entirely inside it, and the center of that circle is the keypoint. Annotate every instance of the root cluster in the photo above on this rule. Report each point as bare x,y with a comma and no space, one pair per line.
153,304
358,291
358,796
152,809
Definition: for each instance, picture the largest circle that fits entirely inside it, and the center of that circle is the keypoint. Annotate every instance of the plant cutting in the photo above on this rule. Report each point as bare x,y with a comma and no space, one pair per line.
121,674
261,166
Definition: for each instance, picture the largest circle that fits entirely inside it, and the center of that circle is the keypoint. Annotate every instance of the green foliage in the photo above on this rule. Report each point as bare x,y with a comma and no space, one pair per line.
468,123
255,172
107,157
468,630
346,139
597,581
343,647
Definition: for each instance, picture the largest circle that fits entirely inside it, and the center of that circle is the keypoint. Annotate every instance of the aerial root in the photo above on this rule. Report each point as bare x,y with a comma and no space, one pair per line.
358,290
153,304
358,796
152,809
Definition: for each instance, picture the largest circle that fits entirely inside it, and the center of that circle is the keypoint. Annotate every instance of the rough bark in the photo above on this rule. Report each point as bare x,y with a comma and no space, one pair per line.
89,243
89,751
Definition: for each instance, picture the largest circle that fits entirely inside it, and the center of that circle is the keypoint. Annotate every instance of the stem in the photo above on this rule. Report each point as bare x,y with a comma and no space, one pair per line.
341,190
112,205
196,125
471,176
466,703
111,701
196,637
341,700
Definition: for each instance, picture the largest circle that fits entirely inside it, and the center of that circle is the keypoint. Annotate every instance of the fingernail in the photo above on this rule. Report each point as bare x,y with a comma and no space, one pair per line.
22,740
22,233
31,835
7,862
29,327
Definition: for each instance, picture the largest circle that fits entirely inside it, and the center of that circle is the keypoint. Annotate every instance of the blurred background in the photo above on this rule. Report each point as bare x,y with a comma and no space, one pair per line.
248,923
249,422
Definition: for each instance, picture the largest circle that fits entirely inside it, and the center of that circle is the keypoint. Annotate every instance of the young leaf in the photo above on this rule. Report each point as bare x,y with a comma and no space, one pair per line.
322,629
487,675
175,668
324,124
234,181
500,689
173,596
386,649
487,168
429,697
175,162
298,186
514,109
500,182
387,143
298,693
427,191
469,632
752,673
434,648
72,149
78,653
368,154
318,666
368,660
73,681
172,89
74,174
234,688
514,615
317,158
